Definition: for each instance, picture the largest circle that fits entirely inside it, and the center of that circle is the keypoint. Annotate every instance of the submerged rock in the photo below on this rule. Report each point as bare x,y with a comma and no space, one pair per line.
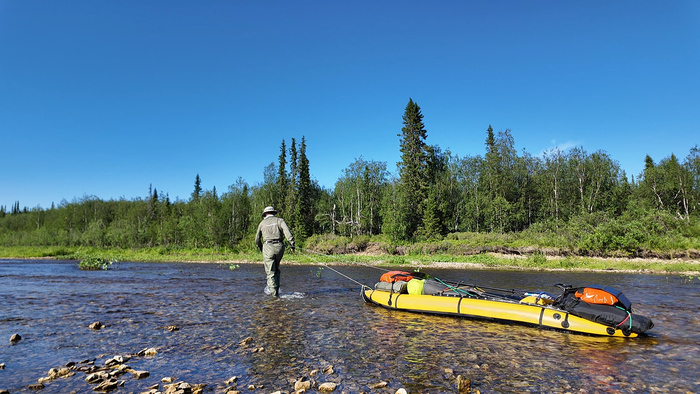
184,388
96,325
151,351
139,374
327,387
378,385
302,384
15,338
36,386
117,360
464,385
109,385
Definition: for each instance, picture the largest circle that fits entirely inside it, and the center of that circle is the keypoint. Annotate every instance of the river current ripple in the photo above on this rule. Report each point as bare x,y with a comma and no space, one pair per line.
209,322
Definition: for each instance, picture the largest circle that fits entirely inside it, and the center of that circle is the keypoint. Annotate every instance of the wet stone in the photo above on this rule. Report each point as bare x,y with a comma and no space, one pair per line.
36,386
140,374
96,326
302,384
15,338
151,351
378,385
108,385
117,360
327,387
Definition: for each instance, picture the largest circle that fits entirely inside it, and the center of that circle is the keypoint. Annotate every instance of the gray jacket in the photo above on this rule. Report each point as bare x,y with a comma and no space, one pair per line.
273,229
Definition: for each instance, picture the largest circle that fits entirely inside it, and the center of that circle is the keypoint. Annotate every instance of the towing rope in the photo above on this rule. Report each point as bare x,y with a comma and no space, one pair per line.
473,292
333,269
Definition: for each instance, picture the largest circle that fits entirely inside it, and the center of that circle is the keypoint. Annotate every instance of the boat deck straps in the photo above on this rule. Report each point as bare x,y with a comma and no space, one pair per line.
457,288
629,317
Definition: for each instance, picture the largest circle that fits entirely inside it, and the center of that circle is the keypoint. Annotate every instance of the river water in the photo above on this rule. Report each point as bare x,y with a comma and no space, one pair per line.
209,322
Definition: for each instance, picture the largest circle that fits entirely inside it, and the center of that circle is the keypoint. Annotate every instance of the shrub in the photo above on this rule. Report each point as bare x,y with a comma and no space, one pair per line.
94,264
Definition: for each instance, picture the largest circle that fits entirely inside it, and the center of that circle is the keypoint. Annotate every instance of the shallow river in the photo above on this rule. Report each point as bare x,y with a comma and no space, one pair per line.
198,317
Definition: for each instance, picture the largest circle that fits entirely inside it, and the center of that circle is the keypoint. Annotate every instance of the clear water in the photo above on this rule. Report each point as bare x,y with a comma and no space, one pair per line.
321,321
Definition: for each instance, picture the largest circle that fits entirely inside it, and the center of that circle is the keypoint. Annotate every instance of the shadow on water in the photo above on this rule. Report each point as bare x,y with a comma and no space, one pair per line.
209,323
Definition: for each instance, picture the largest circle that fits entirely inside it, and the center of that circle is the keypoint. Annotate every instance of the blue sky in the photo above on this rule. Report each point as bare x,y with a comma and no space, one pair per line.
104,98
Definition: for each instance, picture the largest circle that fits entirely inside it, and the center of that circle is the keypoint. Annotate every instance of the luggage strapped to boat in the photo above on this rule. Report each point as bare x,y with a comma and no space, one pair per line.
618,315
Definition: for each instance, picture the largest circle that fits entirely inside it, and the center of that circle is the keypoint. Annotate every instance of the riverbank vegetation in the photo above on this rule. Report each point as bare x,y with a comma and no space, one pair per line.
437,205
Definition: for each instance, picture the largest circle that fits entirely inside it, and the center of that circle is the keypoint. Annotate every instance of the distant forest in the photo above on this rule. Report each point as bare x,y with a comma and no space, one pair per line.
433,195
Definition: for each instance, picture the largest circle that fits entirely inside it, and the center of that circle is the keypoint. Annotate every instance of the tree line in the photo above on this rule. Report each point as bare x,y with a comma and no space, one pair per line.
432,194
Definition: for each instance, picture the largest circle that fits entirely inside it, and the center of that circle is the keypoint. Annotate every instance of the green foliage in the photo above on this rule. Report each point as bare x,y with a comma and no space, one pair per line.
437,204
397,260
537,259
318,272
95,264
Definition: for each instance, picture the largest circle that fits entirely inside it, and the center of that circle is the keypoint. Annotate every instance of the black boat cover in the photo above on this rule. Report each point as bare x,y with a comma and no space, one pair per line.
609,315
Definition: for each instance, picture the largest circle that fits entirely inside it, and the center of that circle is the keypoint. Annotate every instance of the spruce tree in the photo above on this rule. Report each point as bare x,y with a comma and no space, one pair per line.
413,182
291,199
304,213
282,180
197,188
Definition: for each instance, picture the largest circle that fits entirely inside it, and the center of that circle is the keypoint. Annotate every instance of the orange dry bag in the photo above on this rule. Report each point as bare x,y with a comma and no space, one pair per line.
596,296
395,276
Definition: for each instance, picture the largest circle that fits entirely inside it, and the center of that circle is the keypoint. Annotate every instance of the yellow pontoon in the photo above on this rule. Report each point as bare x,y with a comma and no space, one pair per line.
530,311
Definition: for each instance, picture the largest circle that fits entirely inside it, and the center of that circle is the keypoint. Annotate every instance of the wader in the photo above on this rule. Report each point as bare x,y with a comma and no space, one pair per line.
272,256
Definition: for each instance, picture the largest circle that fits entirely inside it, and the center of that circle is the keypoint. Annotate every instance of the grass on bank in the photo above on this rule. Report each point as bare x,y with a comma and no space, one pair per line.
374,253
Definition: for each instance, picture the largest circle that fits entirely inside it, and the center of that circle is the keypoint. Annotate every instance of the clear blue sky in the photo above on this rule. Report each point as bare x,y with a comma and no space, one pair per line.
105,98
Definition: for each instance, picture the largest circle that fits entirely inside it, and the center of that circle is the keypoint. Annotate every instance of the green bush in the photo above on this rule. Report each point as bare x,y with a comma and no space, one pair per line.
94,264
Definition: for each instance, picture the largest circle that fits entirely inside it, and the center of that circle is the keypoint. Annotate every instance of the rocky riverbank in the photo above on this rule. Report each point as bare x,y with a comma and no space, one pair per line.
111,374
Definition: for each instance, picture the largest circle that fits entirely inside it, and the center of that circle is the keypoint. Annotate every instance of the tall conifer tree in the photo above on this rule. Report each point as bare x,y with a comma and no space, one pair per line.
282,180
197,188
413,182
304,214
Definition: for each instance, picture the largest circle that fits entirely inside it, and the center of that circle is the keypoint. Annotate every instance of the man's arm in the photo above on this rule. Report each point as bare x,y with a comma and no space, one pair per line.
258,238
287,233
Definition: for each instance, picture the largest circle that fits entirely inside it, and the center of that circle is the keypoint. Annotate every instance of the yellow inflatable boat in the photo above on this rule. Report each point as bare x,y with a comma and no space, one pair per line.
540,310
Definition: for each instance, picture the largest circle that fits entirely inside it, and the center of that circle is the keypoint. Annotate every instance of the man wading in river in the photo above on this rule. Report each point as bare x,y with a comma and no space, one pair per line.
270,240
